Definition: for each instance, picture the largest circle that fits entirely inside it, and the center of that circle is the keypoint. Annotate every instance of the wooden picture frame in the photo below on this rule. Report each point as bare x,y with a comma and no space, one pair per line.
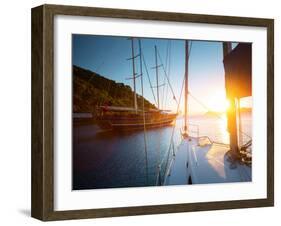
42,204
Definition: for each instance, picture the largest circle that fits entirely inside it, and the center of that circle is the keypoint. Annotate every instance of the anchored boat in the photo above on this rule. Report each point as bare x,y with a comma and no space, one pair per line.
127,118
120,118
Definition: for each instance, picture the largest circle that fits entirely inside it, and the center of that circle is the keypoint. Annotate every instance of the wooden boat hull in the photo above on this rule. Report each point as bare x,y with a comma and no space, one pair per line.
136,123
141,126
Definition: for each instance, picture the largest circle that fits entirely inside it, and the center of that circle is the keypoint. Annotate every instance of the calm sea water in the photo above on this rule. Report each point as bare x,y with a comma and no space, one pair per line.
108,159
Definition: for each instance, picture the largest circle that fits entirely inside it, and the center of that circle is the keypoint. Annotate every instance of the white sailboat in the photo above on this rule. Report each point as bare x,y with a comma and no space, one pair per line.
199,160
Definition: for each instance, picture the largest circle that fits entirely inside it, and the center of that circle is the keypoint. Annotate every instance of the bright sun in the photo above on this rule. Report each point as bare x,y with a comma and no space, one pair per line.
218,103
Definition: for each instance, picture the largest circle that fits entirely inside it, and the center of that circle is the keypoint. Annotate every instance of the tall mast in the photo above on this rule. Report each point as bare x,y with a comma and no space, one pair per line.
134,77
157,84
143,113
226,48
186,88
231,115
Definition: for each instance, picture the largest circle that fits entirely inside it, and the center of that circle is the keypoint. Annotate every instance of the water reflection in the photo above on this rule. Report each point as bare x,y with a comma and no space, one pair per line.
106,159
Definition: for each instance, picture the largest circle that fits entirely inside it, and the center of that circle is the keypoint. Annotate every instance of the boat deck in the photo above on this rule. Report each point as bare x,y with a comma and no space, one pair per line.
205,163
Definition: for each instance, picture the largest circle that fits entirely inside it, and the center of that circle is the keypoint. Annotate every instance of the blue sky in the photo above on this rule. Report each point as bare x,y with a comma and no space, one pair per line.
107,55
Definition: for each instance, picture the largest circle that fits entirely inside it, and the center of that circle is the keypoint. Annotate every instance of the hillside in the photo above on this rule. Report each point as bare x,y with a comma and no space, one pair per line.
91,90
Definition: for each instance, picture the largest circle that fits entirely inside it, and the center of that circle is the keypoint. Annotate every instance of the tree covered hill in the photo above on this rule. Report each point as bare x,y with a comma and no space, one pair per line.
91,90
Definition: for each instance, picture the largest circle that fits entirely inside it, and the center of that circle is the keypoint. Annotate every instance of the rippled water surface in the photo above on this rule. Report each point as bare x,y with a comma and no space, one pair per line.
108,159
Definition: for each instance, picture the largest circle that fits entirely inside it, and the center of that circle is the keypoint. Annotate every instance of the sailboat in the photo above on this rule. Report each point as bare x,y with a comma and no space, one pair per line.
199,160
132,118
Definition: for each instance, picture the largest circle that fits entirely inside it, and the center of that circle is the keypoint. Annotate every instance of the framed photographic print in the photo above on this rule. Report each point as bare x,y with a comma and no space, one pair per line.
141,112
